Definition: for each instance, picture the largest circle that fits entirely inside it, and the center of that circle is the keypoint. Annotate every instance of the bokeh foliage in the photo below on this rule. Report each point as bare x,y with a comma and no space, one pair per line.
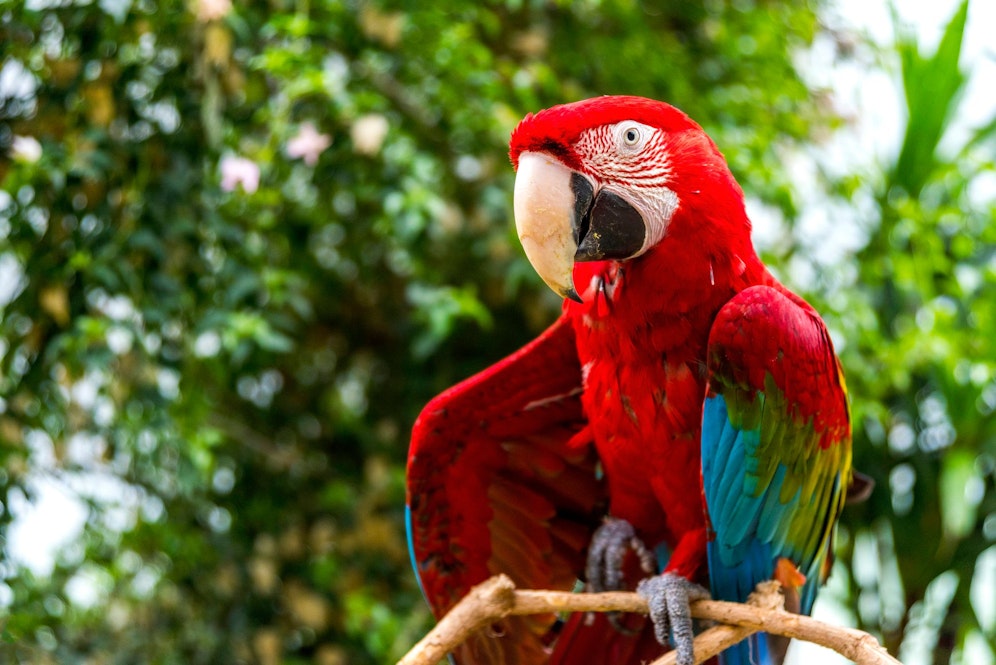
919,318
226,378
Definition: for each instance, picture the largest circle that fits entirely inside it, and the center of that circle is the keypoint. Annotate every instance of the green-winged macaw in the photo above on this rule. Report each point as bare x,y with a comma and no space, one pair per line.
683,423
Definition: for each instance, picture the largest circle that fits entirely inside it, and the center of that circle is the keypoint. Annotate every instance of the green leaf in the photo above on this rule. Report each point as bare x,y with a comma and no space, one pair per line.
439,309
958,508
932,85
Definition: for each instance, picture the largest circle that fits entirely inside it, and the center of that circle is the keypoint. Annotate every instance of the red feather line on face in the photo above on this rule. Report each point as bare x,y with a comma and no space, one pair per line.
555,130
649,168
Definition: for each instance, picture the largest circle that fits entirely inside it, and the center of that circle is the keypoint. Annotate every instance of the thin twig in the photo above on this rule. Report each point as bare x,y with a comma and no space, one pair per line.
497,598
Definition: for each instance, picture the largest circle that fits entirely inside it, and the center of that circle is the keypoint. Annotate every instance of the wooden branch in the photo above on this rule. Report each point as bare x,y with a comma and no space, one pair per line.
497,598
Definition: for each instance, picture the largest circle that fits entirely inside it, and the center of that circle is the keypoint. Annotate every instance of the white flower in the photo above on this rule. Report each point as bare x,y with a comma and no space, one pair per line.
26,149
308,144
239,171
212,10
368,133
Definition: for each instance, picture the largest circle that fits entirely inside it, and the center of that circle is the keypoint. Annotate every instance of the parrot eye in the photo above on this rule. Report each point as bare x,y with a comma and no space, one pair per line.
630,137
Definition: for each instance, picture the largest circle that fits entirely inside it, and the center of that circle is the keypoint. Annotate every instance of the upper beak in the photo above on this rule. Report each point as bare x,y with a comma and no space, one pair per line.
544,206
561,219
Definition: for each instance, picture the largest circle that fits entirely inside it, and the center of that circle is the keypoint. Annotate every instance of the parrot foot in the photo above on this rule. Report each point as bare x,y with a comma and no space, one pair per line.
668,596
608,550
604,569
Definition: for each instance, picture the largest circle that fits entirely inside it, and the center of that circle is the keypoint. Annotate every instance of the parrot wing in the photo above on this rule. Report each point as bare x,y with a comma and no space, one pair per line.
502,479
776,454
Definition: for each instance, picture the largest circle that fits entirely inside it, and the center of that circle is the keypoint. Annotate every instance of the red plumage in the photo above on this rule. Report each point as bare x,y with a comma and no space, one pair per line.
502,472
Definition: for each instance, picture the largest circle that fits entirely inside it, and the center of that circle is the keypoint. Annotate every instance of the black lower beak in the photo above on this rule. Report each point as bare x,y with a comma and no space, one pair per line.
610,229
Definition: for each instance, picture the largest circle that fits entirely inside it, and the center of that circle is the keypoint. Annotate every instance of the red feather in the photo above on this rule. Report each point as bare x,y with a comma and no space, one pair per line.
493,486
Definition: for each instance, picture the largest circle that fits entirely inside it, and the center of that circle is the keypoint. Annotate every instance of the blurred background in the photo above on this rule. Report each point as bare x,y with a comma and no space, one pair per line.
241,245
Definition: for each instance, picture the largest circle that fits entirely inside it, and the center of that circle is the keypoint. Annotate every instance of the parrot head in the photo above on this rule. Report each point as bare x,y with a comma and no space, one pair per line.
610,178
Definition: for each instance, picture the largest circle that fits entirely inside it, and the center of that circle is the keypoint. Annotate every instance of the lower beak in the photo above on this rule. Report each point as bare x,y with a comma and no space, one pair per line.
560,220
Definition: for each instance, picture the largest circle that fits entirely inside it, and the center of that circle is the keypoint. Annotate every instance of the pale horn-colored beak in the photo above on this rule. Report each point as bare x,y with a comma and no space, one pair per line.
545,201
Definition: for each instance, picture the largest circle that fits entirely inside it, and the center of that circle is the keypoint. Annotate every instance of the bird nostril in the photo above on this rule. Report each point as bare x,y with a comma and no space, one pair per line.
582,228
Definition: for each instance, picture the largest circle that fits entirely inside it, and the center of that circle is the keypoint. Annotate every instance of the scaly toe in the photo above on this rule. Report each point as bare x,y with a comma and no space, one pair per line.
668,597
608,551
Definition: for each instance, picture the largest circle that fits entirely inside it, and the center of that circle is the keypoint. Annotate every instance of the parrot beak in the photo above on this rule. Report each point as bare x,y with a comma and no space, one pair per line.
545,209
561,220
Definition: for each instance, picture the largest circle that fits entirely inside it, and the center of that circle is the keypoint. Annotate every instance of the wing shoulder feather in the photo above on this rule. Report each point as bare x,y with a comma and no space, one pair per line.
776,432
494,485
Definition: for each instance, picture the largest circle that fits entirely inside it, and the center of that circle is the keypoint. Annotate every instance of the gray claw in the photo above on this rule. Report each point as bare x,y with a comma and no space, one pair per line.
607,551
606,554
668,597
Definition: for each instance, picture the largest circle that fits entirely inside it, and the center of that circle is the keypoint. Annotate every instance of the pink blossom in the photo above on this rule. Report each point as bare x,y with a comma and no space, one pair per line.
239,171
308,144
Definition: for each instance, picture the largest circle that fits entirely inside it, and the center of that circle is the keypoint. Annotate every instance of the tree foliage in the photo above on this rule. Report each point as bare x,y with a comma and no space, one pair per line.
922,367
224,370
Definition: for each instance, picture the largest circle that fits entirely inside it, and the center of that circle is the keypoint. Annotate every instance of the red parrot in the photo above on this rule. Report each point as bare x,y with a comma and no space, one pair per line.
684,421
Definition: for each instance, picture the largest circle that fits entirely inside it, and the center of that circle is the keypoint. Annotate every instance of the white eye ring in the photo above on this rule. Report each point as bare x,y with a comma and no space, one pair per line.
631,136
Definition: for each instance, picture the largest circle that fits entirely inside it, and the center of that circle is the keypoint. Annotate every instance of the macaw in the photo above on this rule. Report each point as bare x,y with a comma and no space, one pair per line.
684,422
